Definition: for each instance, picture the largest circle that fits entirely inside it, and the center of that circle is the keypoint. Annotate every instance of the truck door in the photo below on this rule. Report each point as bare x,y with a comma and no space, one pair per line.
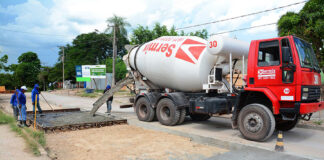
268,72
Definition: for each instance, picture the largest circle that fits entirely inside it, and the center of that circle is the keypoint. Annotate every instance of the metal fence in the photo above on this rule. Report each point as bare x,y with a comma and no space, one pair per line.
100,83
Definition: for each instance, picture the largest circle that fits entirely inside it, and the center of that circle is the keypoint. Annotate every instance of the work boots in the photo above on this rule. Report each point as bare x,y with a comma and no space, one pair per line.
20,124
25,124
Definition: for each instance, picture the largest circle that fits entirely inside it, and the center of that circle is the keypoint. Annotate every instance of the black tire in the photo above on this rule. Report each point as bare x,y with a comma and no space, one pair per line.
282,125
144,111
256,122
167,113
200,117
183,113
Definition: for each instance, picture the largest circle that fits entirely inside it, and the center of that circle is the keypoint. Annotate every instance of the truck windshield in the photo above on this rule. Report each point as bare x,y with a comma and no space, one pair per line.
306,54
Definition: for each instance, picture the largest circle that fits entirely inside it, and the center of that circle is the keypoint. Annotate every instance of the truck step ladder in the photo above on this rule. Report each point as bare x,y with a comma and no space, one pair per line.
110,93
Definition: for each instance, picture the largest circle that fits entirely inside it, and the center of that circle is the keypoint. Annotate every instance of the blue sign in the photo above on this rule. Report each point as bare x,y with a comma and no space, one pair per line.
78,71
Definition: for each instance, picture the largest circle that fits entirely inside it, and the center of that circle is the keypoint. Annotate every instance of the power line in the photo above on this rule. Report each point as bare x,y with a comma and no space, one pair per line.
244,28
250,14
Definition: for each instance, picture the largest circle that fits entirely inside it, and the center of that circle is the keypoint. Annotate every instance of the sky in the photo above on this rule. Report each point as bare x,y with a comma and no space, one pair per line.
41,26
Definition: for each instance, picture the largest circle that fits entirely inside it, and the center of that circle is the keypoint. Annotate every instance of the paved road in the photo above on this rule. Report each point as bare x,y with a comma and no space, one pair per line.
83,103
305,143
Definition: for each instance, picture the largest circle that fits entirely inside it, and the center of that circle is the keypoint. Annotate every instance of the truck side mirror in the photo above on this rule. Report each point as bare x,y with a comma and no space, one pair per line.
285,54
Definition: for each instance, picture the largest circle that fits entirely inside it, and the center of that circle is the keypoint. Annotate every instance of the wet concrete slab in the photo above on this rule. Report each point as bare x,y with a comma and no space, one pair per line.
72,119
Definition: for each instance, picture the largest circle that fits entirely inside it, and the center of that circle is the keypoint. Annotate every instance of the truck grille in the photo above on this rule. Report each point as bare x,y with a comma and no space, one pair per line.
314,93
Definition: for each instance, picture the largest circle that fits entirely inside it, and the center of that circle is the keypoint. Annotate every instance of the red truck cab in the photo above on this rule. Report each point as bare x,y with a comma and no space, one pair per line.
284,76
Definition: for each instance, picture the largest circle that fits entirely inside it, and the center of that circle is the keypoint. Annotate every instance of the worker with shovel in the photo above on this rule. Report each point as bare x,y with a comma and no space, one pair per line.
35,92
22,106
14,104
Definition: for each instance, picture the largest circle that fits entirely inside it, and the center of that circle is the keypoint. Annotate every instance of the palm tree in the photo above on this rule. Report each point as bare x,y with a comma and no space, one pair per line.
116,25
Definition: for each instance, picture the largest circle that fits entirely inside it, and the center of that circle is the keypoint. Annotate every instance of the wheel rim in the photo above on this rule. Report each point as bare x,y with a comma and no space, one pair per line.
253,122
165,113
143,110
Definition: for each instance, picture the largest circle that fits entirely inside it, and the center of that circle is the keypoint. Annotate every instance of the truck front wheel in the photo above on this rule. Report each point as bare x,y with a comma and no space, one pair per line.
167,113
256,122
144,111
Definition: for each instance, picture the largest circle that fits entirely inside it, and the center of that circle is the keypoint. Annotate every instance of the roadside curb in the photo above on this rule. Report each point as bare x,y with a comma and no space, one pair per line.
320,128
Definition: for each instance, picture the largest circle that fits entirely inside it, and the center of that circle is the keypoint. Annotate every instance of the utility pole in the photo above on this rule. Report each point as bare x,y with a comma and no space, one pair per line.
114,58
63,67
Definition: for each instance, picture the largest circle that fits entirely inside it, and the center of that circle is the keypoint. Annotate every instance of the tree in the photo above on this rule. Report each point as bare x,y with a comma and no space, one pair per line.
121,33
143,34
43,77
201,33
86,49
3,61
308,24
25,73
116,25
120,68
8,80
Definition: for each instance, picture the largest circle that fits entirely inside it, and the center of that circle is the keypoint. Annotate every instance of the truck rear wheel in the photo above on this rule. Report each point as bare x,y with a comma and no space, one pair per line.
183,114
256,122
200,117
144,111
282,125
167,113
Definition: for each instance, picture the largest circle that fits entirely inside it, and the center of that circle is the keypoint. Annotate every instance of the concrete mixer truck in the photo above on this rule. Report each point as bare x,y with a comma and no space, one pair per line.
179,76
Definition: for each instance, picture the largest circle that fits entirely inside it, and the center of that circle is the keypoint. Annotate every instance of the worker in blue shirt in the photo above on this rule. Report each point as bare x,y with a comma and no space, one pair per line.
35,92
109,101
22,106
14,103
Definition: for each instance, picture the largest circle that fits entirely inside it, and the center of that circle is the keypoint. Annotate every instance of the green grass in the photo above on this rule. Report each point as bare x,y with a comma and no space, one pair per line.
99,91
25,133
39,136
318,122
124,93
90,95
5,119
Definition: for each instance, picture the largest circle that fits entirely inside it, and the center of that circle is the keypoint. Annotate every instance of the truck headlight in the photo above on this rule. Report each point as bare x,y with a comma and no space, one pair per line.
304,96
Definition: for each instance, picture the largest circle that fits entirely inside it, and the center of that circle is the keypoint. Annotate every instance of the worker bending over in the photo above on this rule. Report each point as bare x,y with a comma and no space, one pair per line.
14,103
35,92
109,101
22,106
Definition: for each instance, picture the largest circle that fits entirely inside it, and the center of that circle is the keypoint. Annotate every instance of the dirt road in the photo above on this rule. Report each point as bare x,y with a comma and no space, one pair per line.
126,142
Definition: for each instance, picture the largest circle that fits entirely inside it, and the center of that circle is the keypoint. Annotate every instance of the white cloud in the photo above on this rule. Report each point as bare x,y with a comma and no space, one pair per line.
186,6
168,22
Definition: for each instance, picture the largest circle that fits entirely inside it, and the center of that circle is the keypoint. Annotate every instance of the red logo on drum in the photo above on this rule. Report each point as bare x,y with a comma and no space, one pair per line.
190,50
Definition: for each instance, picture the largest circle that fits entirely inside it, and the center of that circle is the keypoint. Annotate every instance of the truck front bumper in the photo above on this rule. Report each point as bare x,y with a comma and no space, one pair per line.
306,108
